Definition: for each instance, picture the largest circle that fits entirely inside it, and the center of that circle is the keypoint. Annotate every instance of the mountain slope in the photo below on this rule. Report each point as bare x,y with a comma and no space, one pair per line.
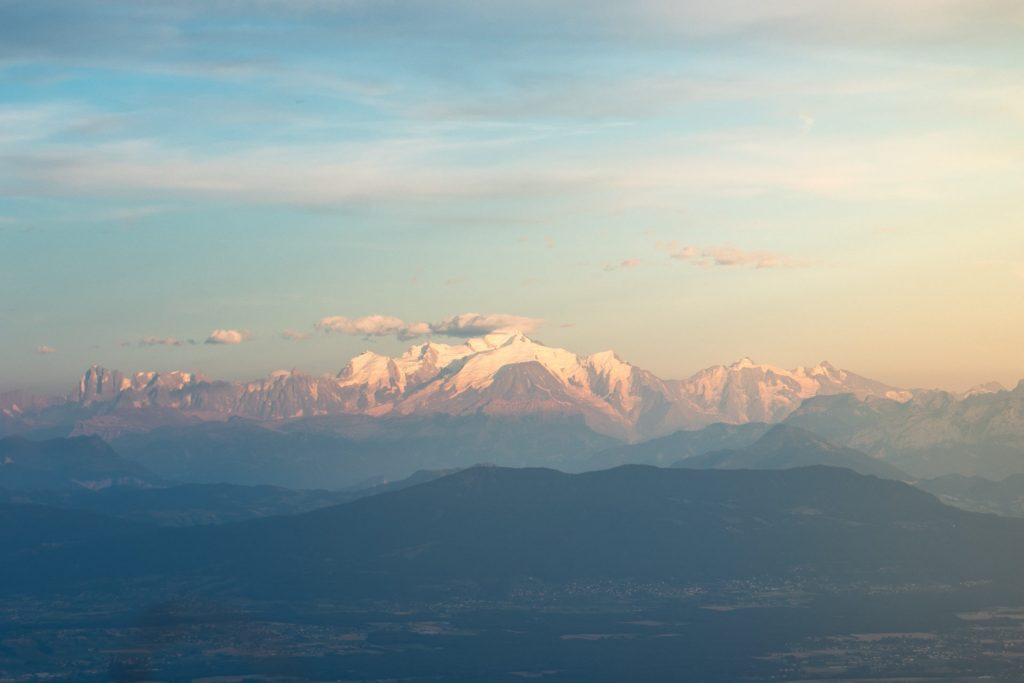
933,434
485,529
784,447
30,531
73,463
195,504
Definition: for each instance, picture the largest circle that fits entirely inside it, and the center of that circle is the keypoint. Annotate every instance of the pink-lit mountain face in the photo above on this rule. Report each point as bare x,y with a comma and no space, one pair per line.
498,374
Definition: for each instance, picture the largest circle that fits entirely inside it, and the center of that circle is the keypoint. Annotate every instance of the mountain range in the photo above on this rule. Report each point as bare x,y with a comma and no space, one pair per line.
498,374
507,399
932,434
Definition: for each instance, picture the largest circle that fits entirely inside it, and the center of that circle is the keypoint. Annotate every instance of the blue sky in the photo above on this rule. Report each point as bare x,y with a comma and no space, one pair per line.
684,182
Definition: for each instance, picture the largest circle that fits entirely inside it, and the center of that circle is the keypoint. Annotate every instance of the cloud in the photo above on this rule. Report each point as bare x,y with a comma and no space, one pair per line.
227,337
161,341
294,335
476,324
462,325
728,256
430,162
373,326
305,175
44,349
676,250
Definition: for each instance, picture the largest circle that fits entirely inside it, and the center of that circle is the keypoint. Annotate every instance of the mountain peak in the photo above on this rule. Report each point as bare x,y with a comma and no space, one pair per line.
614,396
501,338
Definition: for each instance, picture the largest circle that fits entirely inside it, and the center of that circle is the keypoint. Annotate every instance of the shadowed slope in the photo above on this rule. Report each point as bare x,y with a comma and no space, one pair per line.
484,529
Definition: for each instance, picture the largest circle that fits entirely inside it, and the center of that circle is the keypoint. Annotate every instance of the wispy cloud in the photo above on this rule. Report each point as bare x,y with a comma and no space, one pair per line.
395,172
44,349
147,32
227,337
161,341
294,335
625,263
294,175
729,256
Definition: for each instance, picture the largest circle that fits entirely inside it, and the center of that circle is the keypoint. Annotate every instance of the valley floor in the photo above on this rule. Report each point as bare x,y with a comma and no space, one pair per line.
602,631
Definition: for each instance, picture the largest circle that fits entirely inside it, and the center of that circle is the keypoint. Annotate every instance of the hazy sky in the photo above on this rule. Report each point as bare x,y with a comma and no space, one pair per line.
684,182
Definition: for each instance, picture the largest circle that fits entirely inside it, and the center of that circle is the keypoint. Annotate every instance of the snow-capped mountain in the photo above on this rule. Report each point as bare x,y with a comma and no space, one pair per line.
499,374
748,392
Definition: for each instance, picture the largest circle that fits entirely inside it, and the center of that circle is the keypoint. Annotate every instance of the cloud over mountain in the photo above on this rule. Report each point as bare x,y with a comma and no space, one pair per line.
476,324
373,326
462,325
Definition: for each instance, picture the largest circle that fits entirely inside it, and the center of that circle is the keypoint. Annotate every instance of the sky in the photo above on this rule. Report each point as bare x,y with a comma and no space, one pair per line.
239,186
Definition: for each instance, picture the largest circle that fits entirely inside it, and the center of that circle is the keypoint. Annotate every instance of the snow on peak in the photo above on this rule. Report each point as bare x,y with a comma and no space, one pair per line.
478,369
173,380
608,365
604,358
373,371
506,371
824,370
505,337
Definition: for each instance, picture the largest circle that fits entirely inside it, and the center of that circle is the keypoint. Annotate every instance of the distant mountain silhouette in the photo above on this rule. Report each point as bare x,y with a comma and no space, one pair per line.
342,452
784,447
195,504
666,450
